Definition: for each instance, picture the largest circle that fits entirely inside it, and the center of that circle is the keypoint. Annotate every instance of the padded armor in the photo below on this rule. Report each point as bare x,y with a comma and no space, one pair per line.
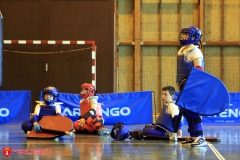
165,120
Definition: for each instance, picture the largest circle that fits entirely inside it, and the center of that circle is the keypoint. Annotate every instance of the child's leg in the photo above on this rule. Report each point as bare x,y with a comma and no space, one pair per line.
179,133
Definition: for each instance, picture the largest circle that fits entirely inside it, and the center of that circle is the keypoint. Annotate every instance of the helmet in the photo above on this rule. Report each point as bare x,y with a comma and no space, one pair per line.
120,132
194,35
52,91
91,90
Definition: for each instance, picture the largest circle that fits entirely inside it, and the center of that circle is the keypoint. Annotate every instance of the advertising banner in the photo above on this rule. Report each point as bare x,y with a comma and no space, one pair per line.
129,107
14,106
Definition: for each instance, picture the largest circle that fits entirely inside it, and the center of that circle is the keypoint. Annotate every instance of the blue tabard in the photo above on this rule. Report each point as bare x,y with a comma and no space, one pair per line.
48,110
165,120
183,68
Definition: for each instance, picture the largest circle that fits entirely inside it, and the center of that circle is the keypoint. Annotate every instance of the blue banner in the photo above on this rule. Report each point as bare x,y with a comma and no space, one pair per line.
129,107
228,117
14,106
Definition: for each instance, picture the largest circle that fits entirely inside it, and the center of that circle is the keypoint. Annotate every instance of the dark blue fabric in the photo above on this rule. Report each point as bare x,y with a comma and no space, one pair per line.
14,106
203,94
165,120
152,130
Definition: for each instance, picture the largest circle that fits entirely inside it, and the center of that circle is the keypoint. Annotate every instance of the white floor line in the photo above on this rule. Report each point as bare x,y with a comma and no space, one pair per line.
215,151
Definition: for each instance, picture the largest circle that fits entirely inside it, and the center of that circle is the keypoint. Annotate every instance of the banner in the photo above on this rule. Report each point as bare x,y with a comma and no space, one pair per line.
14,106
129,107
230,116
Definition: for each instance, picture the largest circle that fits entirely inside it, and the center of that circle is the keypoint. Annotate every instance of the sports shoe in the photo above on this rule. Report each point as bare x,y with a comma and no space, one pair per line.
199,142
173,137
103,132
189,140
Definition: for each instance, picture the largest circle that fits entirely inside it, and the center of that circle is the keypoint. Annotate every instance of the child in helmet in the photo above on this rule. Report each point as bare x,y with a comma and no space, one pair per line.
47,108
190,56
91,120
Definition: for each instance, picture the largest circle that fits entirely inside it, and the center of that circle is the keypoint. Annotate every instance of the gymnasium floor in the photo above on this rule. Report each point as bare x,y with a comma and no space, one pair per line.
94,147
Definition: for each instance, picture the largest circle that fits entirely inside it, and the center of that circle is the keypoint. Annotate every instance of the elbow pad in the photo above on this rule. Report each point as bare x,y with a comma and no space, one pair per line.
90,113
34,118
200,67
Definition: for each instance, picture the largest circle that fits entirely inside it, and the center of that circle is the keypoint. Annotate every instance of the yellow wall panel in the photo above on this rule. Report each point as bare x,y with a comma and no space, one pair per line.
169,21
150,21
232,68
125,69
150,71
169,66
212,20
212,59
232,20
189,13
125,20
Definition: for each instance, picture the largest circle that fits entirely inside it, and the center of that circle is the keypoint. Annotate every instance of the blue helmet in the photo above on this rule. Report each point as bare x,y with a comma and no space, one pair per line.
194,35
120,132
52,91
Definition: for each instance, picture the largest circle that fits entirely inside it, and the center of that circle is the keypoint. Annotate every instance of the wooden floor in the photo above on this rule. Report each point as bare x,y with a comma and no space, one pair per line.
94,147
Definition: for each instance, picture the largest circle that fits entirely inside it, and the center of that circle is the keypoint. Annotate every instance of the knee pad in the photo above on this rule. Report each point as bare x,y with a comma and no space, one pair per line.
197,120
96,123
27,126
89,121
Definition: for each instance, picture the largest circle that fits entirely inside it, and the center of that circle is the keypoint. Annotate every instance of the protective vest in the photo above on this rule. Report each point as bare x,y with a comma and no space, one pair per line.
183,68
85,106
165,119
47,110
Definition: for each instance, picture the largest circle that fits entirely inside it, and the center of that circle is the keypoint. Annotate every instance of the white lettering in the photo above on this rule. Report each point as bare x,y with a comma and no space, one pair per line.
68,112
114,112
235,114
76,112
125,111
4,112
106,113
228,113
223,114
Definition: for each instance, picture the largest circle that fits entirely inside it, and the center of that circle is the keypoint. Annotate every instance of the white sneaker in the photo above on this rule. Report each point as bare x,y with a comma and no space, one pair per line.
189,140
199,142
173,137
103,132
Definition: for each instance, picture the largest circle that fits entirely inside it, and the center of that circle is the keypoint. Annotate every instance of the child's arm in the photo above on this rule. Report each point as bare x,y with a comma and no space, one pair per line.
35,117
58,110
